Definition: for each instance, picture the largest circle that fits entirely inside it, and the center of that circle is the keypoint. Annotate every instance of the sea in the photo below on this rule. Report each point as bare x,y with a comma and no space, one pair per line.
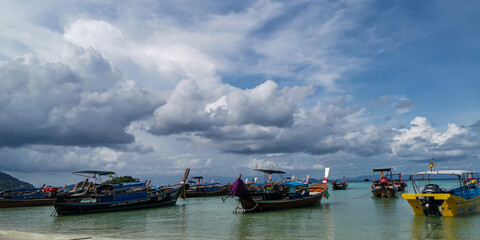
346,214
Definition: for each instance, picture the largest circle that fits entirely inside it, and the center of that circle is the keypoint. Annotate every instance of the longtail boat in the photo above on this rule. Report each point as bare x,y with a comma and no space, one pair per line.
197,188
28,197
383,187
340,184
257,188
299,194
399,183
436,197
119,197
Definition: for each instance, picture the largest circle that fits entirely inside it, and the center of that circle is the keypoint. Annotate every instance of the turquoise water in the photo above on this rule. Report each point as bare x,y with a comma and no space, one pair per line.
347,214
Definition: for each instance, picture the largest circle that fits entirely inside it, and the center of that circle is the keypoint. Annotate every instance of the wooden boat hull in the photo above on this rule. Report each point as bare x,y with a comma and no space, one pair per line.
451,206
400,186
339,186
221,192
383,192
255,204
10,203
163,199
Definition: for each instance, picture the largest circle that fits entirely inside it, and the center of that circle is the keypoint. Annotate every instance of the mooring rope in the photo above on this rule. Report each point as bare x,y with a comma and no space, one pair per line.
362,195
434,228
243,209
225,198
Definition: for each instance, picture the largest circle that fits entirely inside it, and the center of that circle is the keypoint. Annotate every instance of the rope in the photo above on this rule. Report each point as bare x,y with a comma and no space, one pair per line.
247,210
225,198
243,209
434,228
362,195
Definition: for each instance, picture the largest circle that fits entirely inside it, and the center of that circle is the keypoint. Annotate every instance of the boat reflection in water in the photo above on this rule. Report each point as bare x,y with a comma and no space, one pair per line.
442,228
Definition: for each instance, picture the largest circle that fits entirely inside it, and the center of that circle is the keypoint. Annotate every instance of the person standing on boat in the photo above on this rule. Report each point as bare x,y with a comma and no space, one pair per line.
383,179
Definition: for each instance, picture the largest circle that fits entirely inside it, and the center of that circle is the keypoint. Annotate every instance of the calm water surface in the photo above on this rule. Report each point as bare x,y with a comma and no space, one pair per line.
347,214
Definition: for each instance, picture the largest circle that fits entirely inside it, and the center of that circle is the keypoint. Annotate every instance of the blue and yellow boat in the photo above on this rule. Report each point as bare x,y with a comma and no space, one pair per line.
430,199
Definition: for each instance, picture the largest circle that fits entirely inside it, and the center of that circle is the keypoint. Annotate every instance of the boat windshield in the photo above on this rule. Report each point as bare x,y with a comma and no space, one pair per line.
459,183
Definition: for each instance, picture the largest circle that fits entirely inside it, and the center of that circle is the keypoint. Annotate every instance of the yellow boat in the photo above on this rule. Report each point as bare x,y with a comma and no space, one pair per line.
430,199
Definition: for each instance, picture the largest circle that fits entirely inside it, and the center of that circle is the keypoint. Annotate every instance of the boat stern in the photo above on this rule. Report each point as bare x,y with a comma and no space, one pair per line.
439,204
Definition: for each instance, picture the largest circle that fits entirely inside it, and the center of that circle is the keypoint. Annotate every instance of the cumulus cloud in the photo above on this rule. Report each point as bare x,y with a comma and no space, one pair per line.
421,140
190,109
85,103
154,64
266,119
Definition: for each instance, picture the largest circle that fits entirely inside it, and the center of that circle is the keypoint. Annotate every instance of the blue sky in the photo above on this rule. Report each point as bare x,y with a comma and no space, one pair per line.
150,88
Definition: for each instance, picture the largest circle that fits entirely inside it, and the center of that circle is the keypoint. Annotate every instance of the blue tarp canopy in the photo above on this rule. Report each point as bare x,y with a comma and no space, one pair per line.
294,184
129,185
206,184
27,189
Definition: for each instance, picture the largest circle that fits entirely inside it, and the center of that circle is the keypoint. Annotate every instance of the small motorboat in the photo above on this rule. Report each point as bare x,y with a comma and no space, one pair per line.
435,196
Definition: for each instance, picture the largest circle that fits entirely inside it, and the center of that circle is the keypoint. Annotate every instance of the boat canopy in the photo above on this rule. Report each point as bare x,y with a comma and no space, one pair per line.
444,172
382,169
27,189
100,173
294,184
128,185
270,171
198,177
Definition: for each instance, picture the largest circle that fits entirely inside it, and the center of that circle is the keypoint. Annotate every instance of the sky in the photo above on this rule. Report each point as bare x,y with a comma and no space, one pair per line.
149,88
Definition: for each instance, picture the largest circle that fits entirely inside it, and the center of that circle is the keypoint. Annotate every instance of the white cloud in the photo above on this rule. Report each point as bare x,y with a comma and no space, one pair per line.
191,109
421,140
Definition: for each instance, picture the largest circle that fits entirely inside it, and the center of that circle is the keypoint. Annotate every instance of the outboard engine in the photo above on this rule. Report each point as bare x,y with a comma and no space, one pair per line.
50,192
432,188
431,207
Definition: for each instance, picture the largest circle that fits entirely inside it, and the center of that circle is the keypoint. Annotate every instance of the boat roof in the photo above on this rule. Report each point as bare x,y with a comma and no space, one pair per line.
197,177
101,173
382,169
270,171
444,172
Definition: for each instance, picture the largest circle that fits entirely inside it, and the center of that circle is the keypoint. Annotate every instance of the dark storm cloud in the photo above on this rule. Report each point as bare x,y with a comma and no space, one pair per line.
81,102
